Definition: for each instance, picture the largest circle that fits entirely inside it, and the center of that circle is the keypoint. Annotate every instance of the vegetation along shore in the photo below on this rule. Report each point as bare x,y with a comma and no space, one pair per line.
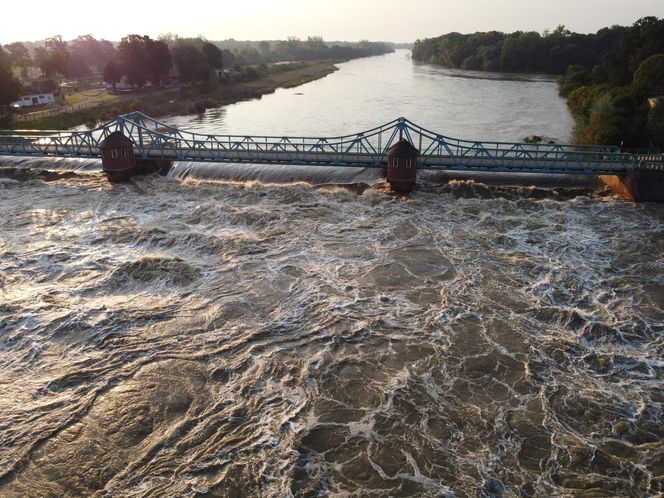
96,80
613,79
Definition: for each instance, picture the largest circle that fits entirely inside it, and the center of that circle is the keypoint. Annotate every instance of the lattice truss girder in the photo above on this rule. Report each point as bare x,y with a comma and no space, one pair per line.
156,140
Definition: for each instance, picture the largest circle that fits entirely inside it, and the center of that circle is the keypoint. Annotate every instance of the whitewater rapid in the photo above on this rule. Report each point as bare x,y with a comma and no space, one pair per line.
188,337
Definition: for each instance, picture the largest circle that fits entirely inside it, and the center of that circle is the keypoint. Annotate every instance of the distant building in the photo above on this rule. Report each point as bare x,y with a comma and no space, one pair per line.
124,86
32,100
121,86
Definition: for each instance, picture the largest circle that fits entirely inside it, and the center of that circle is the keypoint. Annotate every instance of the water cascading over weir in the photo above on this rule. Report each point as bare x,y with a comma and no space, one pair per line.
135,143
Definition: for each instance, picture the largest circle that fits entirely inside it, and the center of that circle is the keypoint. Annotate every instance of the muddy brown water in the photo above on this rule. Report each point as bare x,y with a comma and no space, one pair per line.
188,338
302,332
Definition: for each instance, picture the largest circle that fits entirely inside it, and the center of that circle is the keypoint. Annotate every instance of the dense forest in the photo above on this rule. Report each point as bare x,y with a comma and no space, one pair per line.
608,77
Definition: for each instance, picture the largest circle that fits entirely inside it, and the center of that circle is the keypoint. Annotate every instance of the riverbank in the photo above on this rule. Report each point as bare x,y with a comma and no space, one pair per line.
609,89
189,100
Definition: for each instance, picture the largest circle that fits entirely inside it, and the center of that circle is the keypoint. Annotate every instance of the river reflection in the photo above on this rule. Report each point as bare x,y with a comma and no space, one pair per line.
366,93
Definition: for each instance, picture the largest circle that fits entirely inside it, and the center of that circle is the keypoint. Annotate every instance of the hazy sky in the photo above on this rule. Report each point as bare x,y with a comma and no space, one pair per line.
389,20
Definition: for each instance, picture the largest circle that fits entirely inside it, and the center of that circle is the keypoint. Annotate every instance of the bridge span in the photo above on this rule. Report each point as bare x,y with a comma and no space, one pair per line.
153,140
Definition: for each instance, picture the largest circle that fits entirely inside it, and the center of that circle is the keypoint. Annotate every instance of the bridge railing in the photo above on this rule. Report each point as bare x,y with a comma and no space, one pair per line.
371,142
155,139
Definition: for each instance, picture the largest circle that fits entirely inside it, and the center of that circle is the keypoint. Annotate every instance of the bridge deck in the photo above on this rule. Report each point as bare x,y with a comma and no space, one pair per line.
155,140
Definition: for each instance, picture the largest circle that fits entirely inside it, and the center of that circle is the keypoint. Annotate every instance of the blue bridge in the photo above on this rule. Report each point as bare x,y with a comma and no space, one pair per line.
154,140
400,148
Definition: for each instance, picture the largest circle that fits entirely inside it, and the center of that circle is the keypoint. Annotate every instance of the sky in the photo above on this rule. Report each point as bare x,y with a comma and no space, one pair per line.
349,20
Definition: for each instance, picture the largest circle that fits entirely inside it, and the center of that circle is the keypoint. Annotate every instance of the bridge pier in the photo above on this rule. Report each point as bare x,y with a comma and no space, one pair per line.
120,163
644,184
402,166
641,179
117,157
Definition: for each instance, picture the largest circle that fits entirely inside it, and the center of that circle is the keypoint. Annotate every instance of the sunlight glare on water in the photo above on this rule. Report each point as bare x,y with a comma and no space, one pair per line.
366,93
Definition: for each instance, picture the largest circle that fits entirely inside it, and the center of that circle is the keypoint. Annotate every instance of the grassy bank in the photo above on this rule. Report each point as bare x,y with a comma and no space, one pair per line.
188,100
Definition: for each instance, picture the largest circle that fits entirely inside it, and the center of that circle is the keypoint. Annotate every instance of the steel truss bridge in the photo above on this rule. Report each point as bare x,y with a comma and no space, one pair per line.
154,140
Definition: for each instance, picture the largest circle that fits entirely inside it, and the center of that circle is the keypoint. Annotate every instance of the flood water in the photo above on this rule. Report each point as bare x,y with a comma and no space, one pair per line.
222,335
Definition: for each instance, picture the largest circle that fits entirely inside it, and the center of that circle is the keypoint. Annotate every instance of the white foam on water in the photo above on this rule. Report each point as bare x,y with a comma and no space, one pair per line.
279,340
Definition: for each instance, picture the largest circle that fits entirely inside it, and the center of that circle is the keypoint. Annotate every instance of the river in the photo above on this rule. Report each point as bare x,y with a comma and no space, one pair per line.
192,337
369,92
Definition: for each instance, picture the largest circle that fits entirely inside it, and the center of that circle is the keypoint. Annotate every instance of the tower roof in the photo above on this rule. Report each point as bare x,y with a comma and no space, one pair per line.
403,148
116,139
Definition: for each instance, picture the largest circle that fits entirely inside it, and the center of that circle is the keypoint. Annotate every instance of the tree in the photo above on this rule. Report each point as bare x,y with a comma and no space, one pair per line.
187,57
560,32
214,56
113,73
248,56
649,76
53,57
616,118
581,100
206,78
9,85
522,52
88,54
160,61
227,57
655,127
575,77
133,58
264,49
19,57
4,57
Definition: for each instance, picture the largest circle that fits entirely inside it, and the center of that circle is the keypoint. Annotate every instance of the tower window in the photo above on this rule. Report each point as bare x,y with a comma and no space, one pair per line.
114,153
409,163
395,162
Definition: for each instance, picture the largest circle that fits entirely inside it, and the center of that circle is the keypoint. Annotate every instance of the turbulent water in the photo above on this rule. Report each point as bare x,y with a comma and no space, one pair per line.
303,332
170,338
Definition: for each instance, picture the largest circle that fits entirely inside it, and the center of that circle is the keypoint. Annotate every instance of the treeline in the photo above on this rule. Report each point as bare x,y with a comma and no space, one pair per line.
611,100
522,51
79,58
294,49
9,85
607,76
21,62
143,60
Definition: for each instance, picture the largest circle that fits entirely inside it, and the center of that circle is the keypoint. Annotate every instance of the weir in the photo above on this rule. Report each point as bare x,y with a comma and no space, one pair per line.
134,143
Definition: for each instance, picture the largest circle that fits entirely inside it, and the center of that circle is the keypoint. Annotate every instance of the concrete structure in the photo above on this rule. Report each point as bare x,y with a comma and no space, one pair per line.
645,183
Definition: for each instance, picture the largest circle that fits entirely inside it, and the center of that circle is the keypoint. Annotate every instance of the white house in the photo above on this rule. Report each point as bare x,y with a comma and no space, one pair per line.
120,86
31,100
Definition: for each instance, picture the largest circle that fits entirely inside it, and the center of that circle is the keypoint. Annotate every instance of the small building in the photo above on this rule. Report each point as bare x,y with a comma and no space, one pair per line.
124,86
33,100
402,166
120,86
117,156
